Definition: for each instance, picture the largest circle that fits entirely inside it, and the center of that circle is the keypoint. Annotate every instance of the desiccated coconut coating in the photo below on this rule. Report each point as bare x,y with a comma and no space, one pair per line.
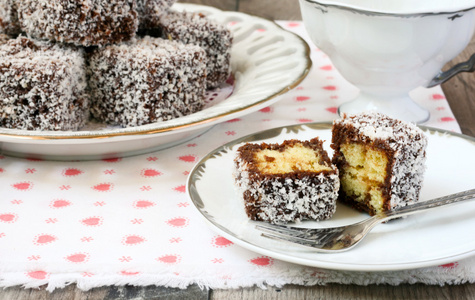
197,29
9,18
146,80
42,86
381,161
79,22
286,182
149,11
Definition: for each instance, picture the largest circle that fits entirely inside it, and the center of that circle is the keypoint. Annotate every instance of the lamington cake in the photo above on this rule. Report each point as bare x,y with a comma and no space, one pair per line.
197,29
42,86
381,161
79,22
286,182
146,80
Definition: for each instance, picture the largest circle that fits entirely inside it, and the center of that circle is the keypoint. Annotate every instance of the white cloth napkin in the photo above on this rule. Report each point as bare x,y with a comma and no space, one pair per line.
129,221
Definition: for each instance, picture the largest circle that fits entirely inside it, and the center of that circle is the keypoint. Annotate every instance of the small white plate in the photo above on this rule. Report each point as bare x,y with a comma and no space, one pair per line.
266,61
436,237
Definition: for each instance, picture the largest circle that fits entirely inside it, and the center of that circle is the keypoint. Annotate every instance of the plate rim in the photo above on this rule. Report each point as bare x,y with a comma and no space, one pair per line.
18,135
340,266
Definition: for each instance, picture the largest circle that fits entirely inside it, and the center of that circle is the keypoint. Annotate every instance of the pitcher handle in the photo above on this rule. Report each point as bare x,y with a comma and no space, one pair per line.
467,66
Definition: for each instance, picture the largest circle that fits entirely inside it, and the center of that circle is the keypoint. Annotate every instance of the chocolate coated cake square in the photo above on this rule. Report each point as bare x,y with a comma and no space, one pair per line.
381,161
42,86
286,182
146,80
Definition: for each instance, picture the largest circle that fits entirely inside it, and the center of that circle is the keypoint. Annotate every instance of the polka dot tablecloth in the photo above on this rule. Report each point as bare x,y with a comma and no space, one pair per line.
129,220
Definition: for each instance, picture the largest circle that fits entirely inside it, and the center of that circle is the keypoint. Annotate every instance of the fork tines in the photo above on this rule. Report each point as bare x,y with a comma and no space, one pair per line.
316,238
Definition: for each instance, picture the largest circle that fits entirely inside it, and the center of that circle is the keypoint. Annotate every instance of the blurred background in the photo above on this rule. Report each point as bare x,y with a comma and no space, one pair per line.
269,9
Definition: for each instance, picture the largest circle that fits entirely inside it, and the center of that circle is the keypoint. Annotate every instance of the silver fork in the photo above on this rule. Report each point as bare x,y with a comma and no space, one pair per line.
338,239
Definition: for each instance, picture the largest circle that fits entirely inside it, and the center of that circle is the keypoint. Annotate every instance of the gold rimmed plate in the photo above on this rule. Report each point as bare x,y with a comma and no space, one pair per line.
436,237
266,61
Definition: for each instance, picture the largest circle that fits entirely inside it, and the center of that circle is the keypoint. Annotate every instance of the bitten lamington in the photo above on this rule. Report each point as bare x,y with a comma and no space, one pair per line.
42,86
146,80
381,161
79,22
287,182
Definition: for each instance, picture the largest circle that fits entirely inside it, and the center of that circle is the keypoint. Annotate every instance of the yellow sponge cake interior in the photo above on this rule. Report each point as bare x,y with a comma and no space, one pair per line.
290,159
364,174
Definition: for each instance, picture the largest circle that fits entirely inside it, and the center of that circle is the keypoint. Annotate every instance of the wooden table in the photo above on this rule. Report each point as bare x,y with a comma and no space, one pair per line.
459,92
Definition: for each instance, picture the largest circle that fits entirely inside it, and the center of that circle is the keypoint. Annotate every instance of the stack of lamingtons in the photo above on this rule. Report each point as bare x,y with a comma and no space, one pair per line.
122,62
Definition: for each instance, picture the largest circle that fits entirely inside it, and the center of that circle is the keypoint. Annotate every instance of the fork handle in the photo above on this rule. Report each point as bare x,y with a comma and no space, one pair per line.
425,205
